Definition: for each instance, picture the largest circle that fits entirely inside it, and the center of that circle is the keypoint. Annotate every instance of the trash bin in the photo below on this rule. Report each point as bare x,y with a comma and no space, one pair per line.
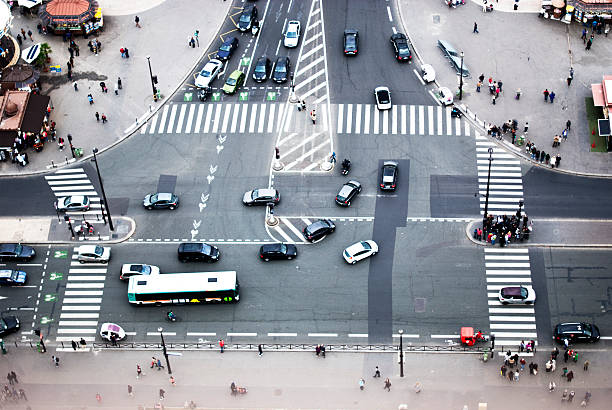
78,152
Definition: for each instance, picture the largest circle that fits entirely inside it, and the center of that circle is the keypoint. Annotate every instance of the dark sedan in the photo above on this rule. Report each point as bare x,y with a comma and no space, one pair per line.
227,48
161,201
281,70
276,251
318,230
11,252
8,324
576,332
9,277
347,193
400,46
351,42
389,176
262,69
247,17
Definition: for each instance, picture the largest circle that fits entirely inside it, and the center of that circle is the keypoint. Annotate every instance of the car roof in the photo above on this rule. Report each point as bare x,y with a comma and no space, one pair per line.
164,196
398,36
8,246
350,31
282,59
229,40
381,88
6,273
293,24
353,182
214,62
390,164
266,191
236,74
512,290
272,247
77,198
87,248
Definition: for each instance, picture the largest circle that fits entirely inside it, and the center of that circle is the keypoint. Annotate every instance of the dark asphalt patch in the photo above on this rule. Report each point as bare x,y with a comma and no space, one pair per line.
452,196
539,284
166,183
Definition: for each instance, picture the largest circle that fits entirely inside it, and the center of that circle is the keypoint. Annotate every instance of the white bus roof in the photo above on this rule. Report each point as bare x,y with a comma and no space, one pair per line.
179,282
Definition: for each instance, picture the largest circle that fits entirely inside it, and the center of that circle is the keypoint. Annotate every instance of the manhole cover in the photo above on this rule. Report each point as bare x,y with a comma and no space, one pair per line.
419,305
436,19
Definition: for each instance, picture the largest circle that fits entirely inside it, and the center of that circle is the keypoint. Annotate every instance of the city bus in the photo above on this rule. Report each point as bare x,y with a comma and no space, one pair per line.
184,288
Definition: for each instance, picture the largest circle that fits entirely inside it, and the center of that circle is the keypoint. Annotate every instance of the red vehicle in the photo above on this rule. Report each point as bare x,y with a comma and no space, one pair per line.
469,338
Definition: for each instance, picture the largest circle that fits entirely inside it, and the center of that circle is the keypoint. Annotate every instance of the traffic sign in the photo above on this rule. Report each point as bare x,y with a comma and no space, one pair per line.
244,96
245,61
60,254
216,96
50,298
45,319
188,97
56,276
271,96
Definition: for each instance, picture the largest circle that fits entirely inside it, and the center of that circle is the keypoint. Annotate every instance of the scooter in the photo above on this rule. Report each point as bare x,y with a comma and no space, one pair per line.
456,113
204,93
237,390
346,167
255,28
171,317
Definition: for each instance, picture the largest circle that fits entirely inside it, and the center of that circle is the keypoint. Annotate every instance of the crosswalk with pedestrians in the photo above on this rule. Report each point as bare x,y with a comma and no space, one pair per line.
505,267
81,301
506,184
74,181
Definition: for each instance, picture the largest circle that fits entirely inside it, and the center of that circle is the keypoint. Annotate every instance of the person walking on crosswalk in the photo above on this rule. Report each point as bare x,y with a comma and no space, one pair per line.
313,116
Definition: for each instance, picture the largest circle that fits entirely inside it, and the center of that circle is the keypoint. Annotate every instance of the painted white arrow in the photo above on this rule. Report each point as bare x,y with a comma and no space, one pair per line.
219,149
213,169
194,232
204,197
222,139
196,224
3,297
210,179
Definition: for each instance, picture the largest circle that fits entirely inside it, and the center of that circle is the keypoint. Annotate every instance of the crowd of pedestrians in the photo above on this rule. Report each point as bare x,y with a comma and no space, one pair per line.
10,393
504,229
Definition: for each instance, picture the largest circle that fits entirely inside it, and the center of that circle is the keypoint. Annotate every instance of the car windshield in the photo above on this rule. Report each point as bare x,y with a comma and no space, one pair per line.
366,246
245,18
404,51
383,96
144,269
225,47
18,249
350,41
99,250
283,248
231,81
587,329
205,73
388,172
154,198
280,68
291,34
260,68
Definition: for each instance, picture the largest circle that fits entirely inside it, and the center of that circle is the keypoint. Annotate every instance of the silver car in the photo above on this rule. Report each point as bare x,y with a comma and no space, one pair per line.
93,253
211,70
73,203
292,35
524,295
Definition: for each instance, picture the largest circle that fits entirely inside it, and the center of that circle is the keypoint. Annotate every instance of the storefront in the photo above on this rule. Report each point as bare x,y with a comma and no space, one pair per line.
588,10
602,97
77,17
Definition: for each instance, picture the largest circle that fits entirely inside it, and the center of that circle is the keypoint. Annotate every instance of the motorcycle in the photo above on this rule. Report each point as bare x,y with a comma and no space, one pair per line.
204,93
456,113
171,317
255,28
346,167
237,390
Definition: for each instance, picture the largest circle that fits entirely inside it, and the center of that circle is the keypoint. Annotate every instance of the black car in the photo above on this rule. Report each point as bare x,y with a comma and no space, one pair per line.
262,69
8,324
247,17
389,176
347,193
351,42
318,230
281,70
10,252
161,200
227,48
277,251
198,252
400,46
576,332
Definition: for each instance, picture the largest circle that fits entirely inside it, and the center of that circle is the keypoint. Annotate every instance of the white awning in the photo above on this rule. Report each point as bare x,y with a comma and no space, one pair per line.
30,53
29,3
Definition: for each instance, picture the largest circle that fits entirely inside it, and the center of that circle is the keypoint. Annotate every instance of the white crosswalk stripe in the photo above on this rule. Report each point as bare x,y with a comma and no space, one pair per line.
289,229
81,300
74,181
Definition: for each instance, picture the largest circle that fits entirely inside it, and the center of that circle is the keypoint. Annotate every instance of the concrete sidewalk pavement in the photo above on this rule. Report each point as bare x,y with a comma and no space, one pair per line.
165,28
292,380
535,57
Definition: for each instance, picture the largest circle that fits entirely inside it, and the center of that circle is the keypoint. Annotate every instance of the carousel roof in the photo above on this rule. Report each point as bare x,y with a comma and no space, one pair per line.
68,11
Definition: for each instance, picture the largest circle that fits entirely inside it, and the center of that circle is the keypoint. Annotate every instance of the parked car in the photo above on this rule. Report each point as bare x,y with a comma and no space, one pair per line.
73,203
262,196
211,70
132,269
247,17
16,252
161,200
401,47
347,193
262,69
292,34
517,295
93,253
454,57
576,332
383,98
280,73
389,176
10,277
227,48
351,42
275,251
8,324
319,230
429,74
360,251
198,252
233,82
445,96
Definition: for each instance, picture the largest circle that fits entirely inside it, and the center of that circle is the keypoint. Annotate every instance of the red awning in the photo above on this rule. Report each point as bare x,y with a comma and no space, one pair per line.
598,95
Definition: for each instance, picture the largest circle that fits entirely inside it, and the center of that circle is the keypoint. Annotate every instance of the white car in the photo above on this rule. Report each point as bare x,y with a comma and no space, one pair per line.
292,35
523,295
73,203
429,74
109,329
445,96
134,269
383,98
360,251
93,253
211,70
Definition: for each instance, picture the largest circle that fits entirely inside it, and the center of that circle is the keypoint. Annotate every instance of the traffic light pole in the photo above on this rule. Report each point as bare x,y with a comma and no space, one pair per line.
152,79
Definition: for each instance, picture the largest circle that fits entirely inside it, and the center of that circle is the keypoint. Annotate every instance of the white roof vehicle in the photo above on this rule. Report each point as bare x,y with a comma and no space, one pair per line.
429,74
445,96
108,329
93,253
359,251
524,295
383,98
211,70
292,34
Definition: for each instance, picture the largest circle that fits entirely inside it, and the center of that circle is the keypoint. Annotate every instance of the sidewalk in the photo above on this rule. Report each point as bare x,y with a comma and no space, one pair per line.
535,57
297,380
166,26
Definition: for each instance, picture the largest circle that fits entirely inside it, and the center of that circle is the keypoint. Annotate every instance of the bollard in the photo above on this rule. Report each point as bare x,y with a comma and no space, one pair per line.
52,164
66,160
2,346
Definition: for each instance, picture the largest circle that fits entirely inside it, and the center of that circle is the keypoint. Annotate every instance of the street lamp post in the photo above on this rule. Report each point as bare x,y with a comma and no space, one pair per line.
486,210
110,220
71,146
461,79
161,330
152,80
401,355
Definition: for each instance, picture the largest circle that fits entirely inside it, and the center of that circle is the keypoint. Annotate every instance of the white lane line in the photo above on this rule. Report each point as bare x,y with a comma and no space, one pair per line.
295,231
507,265
77,331
510,326
412,120
394,119
385,122
512,318
85,285
190,119
322,334
505,250
70,338
153,123
83,293
235,117
507,257
287,138
421,120
349,118
366,120
181,119
79,315
357,335
271,118
70,171
85,270
253,119
309,79
217,120
162,123
324,112
408,335
208,119
430,118
282,334
82,300
199,119
69,182
516,334
457,126
226,117
84,307
240,334
201,334
313,90
444,336
65,177
376,121
340,117
449,121
311,52
439,116
309,66
509,310
288,118
313,38
466,129
403,124
358,119
282,233
502,272
389,14
171,120
245,112
78,323
262,118
165,333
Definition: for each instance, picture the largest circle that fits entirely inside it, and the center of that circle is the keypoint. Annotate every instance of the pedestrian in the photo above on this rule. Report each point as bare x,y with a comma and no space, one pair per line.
377,372
55,360
318,350
60,144
552,96
172,381
542,156
30,35
14,377
76,86
481,77
557,162
522,346
565,356
547,159
137,21
303,105
546,94
564,134
221,345
502,370
260,349
493,99
361,384
570,376
153,362
387,384
102,85
76,49
492,338
116,89
91,101
475,28
130,390
127,53
23,33
122,51
138,371
73,343
98,397
9,377
531,368
526,127
71,51
159,365
119,83
162,393
499,85
97,116
568,125
511,375
323,351
522,362
569,81
589,44
554,353
516,376
478,85
104,119
22,395
584,35
313,116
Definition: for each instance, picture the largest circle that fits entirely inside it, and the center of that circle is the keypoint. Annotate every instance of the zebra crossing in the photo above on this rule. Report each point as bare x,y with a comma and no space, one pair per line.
74,181
82,299
504,267
506,185
289,229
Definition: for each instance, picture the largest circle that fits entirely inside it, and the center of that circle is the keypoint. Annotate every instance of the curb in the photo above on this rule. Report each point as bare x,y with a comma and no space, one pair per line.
142,120
468,233
464,109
